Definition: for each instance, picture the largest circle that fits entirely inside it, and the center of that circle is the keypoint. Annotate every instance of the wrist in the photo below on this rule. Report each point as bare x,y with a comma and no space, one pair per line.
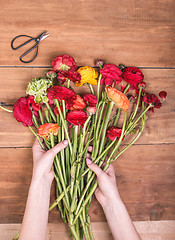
113,200
41,181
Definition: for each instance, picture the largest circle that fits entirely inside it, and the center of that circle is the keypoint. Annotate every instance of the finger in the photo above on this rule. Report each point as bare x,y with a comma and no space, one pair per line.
88,155
96,169
60,146
90,148
37,147
110,171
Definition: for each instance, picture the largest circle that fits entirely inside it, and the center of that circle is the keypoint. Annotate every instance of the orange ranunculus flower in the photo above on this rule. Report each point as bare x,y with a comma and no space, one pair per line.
79,103
88,75
120,100
46,129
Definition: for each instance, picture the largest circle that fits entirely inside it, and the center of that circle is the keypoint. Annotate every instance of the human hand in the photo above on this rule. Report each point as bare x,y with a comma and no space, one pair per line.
43,160
107,190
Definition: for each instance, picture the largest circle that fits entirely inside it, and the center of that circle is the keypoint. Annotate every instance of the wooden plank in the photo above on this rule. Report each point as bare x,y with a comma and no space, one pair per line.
159,126
131,33
154,230
145,176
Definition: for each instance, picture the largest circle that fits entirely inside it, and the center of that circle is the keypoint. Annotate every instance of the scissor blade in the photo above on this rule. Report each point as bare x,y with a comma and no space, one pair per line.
44,36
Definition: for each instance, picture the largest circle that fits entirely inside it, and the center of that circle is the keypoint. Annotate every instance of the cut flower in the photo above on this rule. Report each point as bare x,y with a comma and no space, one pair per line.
120,100
77,117
110,72
22,112
133,76
113,132
63,63
45,130
88,75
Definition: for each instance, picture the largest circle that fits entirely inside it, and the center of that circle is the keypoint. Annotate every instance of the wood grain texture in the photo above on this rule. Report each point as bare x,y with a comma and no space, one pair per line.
140,34
145,177
154,230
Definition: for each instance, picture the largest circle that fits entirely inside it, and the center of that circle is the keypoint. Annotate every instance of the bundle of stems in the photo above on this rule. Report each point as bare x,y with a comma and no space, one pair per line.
76,183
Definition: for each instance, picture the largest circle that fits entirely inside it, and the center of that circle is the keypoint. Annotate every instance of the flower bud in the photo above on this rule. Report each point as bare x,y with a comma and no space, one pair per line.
99,63
91,110
163,95
143,84
51,74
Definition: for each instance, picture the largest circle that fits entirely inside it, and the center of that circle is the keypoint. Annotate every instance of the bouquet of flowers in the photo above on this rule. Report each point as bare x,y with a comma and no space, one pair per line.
102,118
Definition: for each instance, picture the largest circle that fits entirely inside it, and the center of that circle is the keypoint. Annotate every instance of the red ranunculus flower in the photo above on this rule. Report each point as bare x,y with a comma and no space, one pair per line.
152,99
61,93
111,71
76,117
133,76
90,99
106,81
22,112
113,132
31,102
63,63
71,75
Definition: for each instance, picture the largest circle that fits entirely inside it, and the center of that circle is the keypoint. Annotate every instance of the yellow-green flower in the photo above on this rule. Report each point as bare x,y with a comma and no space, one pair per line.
88,75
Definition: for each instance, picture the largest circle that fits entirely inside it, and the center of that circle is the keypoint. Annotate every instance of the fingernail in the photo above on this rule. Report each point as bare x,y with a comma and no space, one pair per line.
88,161
65,142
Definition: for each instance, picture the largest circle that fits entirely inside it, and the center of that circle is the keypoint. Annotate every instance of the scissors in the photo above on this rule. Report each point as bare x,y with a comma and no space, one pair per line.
41,37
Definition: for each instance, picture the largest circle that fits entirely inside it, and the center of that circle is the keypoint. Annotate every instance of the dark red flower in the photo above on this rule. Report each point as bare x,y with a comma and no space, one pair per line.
163,94
22,112
76,117
113,132
71,75
153,100
31,102
90,99
111,71
133,76
63,63
106,81
61,93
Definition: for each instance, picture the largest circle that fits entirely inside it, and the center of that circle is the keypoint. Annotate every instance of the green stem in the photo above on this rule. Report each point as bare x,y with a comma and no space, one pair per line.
98,87
35,121
91,88
5,109
36,137
63,122
51,112
58,199
41,116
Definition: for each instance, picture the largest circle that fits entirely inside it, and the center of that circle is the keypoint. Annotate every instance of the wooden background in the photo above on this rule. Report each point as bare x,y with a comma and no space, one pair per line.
136,33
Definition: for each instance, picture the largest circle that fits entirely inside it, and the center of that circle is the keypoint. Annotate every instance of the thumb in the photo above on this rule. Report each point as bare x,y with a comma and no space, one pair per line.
60,146
96,169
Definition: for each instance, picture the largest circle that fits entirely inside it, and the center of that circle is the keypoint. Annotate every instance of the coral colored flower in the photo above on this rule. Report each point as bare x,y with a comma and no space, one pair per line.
153,100
163,94
111,72
22,112
63,63
71,75
113,132
76,117
79,103
61,93
91,110
133,76
120,100
90,99
45,130
88,75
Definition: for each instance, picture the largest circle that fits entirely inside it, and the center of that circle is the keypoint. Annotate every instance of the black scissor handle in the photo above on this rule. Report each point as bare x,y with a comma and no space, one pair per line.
23,44
21,58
